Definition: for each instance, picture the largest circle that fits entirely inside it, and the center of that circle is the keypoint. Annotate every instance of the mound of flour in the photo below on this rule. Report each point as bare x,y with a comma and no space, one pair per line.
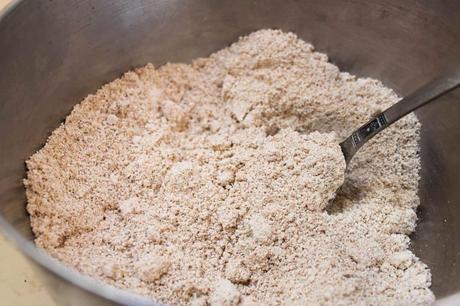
210,184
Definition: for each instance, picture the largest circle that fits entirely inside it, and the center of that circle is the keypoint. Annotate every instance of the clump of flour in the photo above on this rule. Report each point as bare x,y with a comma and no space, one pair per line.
207,184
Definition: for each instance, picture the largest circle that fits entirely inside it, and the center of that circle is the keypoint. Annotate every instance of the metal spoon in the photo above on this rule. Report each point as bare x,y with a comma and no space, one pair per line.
420,97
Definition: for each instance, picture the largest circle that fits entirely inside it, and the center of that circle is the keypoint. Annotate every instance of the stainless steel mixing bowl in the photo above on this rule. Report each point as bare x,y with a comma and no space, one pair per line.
53,53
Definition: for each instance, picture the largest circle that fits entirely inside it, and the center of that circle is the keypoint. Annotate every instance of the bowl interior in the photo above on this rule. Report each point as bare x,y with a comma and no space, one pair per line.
53,53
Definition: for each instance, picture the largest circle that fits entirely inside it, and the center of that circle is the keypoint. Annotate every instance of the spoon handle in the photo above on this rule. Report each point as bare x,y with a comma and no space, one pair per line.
408,104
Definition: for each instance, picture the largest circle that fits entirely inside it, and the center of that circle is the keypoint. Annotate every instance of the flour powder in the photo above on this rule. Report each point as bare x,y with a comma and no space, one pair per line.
214,183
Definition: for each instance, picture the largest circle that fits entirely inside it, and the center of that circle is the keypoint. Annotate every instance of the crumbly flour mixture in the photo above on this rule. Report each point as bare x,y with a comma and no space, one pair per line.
214,184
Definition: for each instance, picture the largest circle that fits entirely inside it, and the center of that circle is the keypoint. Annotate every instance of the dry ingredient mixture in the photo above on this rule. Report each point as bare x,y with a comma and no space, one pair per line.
209,183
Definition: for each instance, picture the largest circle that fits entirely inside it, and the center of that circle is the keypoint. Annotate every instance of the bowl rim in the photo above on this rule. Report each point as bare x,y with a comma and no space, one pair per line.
87,283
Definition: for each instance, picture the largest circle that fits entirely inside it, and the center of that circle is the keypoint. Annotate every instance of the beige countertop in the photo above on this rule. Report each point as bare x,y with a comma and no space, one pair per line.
19,285
3,3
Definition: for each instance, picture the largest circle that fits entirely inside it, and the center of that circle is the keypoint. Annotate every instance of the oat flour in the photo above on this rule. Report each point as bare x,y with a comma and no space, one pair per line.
205,184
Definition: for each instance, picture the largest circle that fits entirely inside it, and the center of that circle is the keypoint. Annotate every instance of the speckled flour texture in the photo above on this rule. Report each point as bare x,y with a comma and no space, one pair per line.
213,184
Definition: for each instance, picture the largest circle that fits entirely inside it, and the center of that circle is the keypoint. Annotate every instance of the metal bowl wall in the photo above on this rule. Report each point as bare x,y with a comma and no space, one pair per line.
53,53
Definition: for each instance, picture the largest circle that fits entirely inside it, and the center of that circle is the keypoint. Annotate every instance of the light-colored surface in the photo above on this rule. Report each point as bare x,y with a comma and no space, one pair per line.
3,3
19,285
